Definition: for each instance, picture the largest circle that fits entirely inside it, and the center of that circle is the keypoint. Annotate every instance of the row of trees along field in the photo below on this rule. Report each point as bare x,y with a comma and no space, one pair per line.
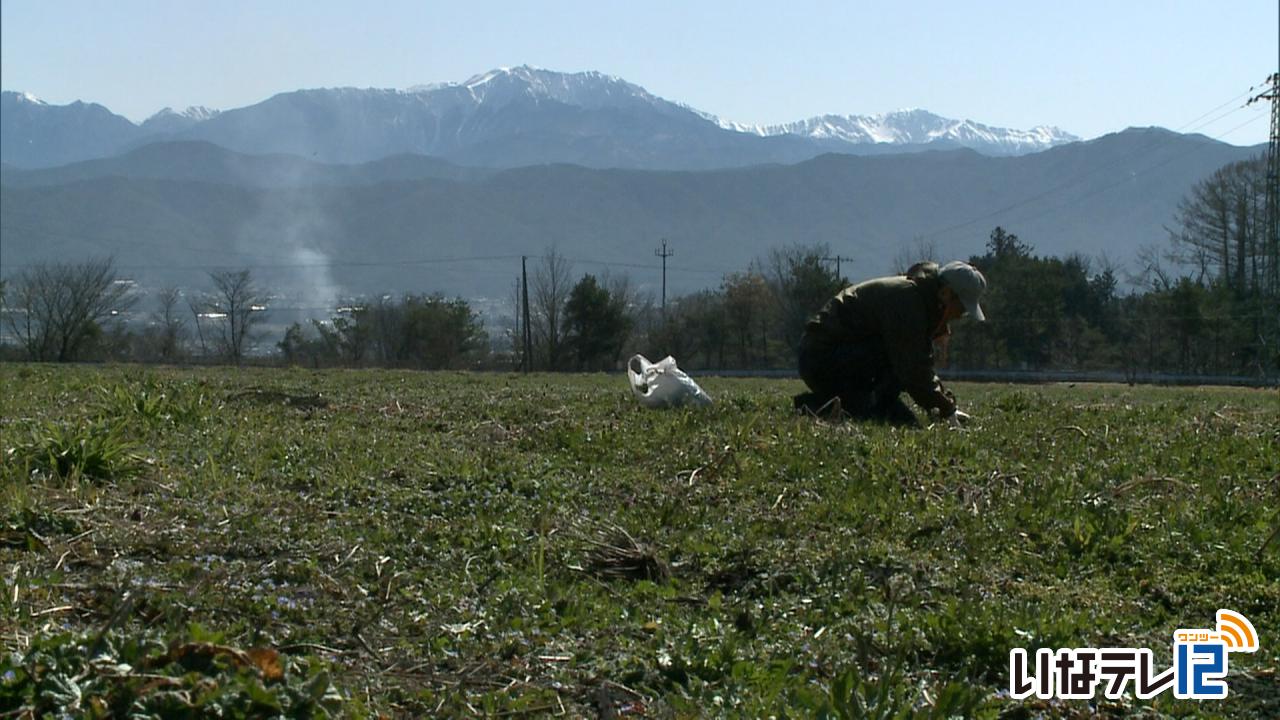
1209,303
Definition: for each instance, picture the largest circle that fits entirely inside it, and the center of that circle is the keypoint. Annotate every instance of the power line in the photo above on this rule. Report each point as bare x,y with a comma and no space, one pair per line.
837,260
316,265
1196,119
409,261
133,242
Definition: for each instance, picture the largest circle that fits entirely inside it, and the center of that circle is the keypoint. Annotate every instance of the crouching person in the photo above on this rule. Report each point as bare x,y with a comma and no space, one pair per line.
874,340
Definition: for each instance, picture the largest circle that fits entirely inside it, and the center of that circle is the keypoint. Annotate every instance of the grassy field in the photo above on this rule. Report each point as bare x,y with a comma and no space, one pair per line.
436,544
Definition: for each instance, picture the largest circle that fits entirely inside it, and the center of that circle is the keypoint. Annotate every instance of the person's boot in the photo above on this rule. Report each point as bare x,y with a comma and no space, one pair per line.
805,402
887,404
897,413
859,404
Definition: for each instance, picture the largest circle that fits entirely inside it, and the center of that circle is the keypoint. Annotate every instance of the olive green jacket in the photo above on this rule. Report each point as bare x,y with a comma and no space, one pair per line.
904,313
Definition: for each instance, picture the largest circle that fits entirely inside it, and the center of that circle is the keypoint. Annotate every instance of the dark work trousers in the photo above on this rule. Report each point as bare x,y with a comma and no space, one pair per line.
859,374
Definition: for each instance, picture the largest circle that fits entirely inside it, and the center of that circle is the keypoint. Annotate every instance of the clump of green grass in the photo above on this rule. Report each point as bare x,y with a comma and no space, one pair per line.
891,695
114,674
75,451
151,403
145,403
26,527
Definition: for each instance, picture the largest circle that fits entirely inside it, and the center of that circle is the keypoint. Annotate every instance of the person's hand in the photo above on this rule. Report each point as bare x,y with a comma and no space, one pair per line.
959,418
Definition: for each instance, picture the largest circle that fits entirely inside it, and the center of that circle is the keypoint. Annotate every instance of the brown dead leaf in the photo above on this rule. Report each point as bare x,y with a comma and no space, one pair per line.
267,661
199,653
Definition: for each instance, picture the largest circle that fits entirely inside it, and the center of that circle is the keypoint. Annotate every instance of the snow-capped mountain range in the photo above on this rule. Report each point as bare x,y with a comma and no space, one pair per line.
914,127
502,118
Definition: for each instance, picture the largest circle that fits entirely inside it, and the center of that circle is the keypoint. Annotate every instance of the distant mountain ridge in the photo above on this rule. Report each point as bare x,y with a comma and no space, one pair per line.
196,161
169,211
508,117
36,134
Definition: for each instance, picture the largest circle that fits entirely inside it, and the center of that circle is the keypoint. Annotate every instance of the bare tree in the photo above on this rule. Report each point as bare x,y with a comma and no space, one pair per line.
514,330
58,309
919,249
801,282
197,309
637,305
1151,273
747,300
237,303
1219,225
171,328
551,287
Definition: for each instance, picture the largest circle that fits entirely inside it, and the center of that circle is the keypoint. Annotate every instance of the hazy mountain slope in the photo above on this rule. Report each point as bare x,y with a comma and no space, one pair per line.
206,162
1111,195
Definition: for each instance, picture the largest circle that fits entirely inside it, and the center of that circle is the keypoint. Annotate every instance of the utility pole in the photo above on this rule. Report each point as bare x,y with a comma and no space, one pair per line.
1271,222
519,319
837,260
664,255
526,362
1271,241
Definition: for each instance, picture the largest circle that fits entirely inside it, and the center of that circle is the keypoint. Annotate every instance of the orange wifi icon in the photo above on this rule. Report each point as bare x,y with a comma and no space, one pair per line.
1237,632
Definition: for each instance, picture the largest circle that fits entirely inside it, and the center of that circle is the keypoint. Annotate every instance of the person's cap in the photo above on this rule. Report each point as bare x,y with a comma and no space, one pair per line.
965,280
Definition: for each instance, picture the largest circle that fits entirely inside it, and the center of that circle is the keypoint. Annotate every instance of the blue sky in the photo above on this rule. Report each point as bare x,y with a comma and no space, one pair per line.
1087,67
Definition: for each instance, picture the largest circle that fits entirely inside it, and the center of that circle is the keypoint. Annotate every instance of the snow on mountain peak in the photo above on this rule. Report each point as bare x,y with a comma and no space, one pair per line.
170,120
911,126
426,88
29,98
478,80
590,89
200,112
194,112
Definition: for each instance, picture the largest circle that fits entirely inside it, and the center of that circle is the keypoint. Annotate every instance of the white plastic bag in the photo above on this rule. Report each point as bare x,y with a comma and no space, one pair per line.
662,384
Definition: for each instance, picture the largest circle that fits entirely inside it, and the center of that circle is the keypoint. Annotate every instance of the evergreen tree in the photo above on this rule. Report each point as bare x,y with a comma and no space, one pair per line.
597,324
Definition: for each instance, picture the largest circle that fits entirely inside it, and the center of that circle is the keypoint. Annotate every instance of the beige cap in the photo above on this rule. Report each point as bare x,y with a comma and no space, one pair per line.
965,280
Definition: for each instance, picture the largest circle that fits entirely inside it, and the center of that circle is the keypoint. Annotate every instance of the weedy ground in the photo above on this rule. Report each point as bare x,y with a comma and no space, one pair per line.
358,543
